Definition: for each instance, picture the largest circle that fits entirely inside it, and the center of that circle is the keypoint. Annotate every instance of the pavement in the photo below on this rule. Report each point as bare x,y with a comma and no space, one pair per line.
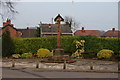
27,73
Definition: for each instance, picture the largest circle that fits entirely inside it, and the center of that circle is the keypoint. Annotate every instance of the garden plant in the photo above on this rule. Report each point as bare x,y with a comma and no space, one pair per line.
43,53
27,55
105,54
16,56
79,47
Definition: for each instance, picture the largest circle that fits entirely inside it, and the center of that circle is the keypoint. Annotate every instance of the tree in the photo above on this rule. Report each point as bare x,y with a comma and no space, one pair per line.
72,23
7,9
7,44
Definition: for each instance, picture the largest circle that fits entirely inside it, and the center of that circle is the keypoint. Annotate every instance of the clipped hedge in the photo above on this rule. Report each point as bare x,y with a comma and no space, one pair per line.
23,45
92,44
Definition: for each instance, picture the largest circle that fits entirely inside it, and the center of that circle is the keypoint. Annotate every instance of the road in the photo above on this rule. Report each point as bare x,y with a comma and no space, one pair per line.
21,73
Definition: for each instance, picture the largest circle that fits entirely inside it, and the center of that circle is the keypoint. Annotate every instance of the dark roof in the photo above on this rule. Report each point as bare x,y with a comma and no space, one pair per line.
54,28
28,32
58,17
11,25
111,33
87,32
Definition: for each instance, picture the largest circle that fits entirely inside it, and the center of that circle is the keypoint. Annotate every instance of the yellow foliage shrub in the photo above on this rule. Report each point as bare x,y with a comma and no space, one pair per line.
105,53
42,53
27,55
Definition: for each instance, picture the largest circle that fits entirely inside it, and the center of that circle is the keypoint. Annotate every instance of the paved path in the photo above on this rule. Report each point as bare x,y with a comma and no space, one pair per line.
20,73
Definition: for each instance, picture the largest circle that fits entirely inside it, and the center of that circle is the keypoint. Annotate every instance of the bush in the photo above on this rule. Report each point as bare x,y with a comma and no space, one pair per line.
106,54
42,53
16,56
27,55
80,48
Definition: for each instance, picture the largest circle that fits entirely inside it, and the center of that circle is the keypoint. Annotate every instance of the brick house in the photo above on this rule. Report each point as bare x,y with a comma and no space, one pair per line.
112,33
8,26
51,30
87,32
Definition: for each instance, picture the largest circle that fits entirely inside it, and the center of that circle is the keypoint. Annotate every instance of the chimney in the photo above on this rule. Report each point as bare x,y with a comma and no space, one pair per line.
8,21
4,23
49,25
113,29
27,27
82,28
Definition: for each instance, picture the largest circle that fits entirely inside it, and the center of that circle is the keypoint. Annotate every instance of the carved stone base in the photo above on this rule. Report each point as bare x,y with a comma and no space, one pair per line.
58,51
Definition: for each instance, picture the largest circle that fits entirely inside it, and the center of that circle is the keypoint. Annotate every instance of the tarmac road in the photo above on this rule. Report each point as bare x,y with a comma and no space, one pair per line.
22,73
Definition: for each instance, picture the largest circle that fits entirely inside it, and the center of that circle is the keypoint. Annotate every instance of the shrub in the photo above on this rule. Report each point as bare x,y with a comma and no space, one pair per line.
16,56
27,55
106,54
42,53
80,48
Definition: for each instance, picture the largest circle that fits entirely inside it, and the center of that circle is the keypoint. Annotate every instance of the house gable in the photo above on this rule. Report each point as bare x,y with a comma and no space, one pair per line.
8,26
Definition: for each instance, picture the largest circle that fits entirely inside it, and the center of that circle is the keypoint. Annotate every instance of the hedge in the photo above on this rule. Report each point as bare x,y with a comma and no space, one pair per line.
93,44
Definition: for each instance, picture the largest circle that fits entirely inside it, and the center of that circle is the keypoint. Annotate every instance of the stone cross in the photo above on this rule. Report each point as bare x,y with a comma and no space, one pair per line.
58,19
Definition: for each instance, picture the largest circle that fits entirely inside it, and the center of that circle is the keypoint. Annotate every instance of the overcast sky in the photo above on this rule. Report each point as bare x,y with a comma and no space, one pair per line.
91,15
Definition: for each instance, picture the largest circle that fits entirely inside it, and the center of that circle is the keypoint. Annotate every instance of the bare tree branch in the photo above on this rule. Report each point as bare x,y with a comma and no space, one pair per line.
72,23
68,20
7,9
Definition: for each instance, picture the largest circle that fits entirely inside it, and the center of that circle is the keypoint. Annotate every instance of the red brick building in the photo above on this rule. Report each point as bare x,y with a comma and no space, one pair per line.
8,26
87,32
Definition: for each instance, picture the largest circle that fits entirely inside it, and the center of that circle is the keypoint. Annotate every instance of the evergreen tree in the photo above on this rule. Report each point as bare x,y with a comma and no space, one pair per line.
7,44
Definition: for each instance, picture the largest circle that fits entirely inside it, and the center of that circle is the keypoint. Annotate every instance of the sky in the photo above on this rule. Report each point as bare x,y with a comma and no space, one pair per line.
90,15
